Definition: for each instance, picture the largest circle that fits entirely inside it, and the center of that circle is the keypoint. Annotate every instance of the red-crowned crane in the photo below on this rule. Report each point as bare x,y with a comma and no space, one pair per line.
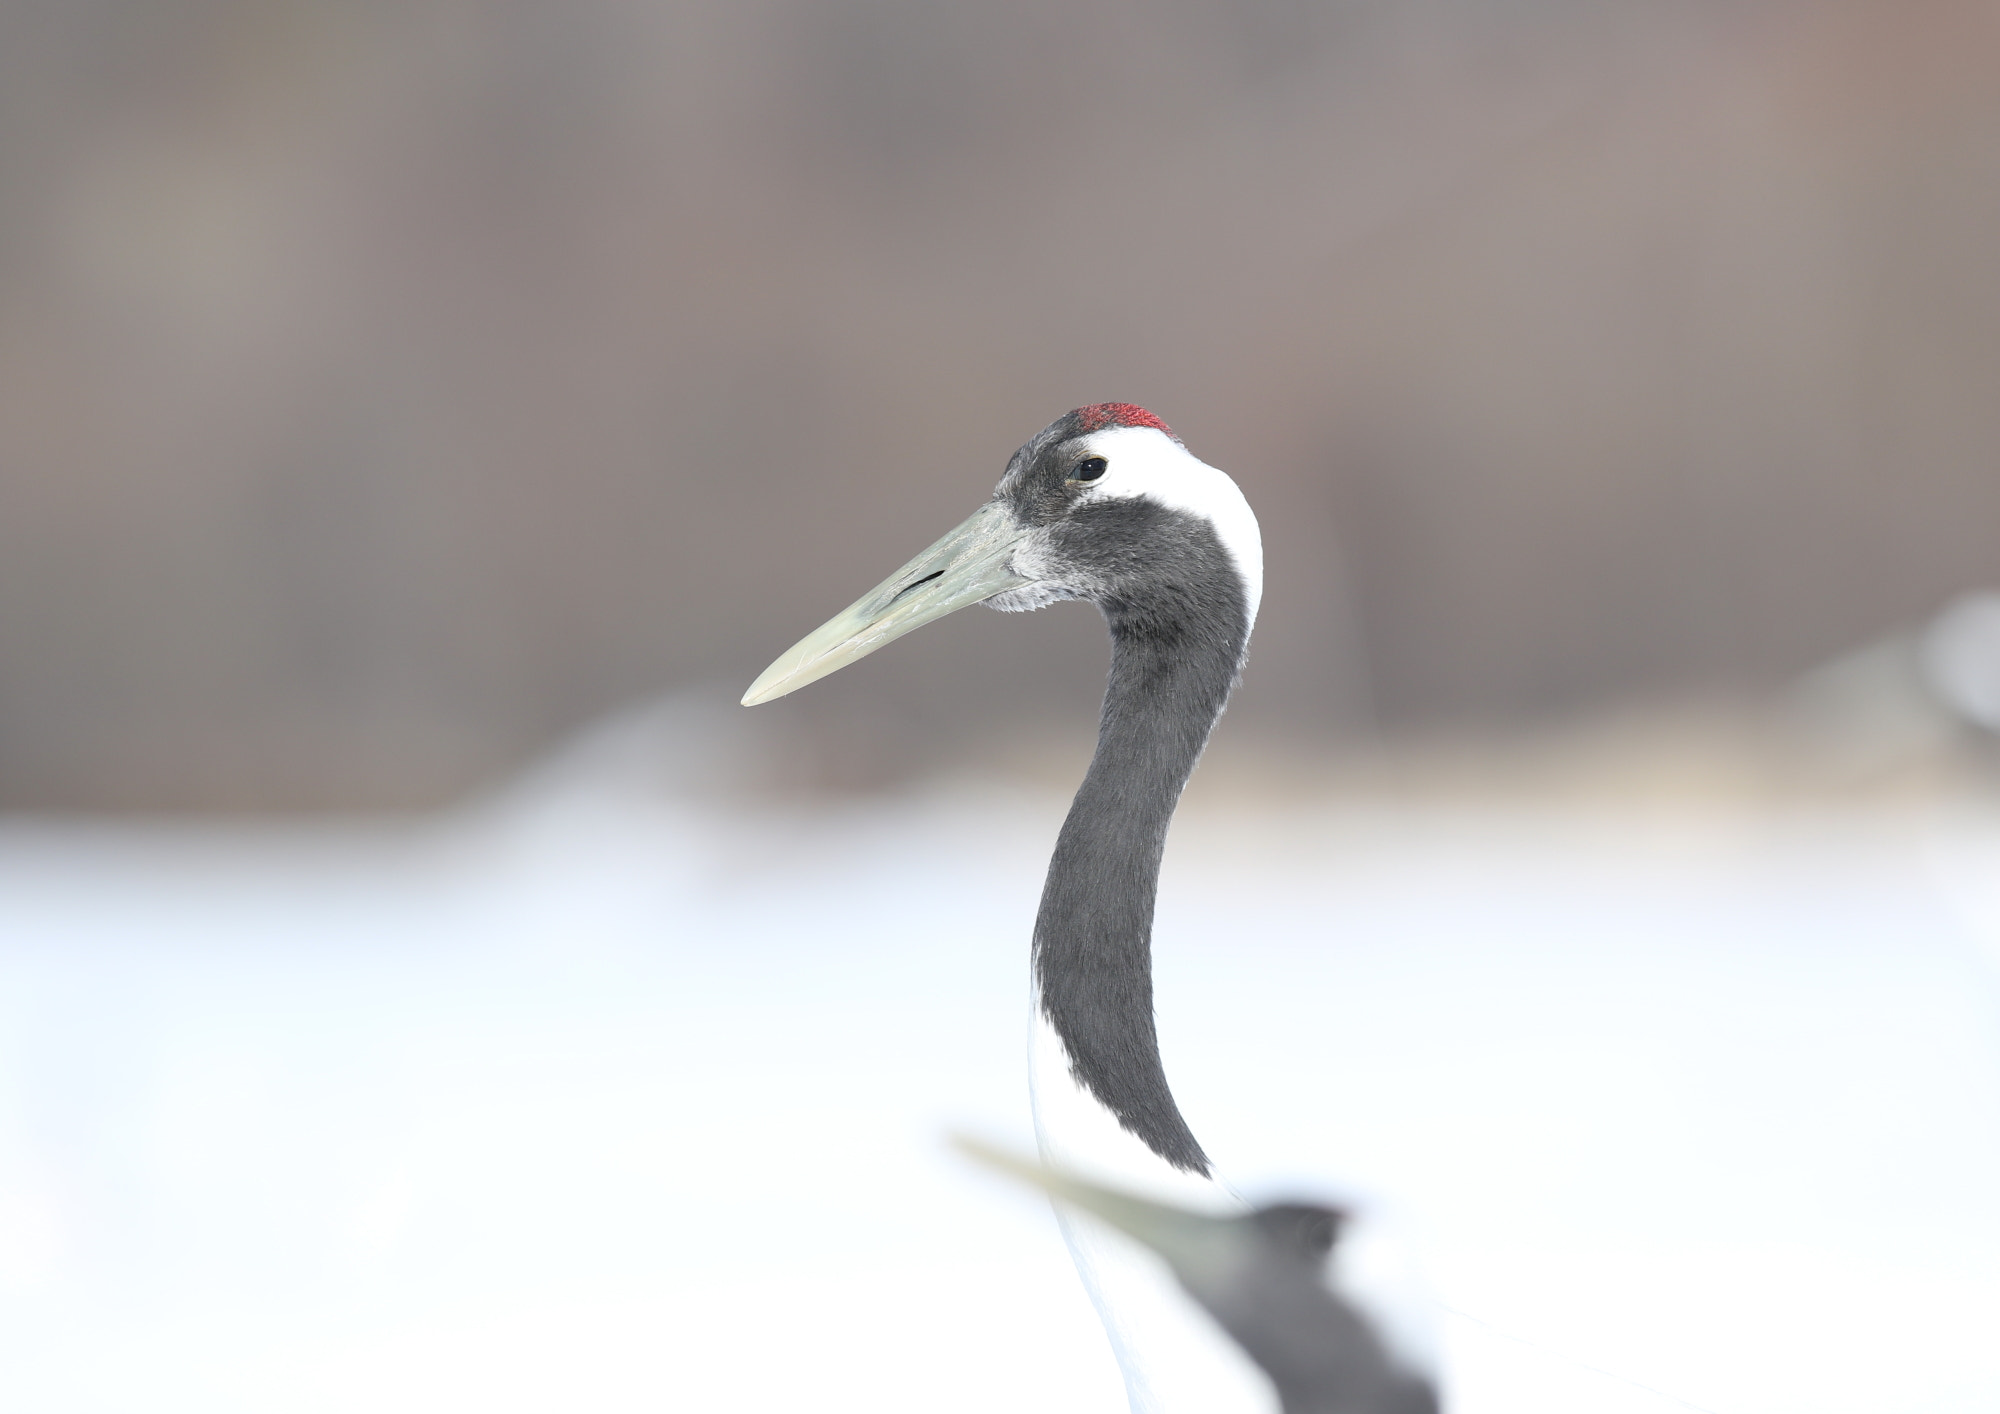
1106,504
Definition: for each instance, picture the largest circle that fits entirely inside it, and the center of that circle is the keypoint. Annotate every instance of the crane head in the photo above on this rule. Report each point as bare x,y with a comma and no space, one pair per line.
1103,504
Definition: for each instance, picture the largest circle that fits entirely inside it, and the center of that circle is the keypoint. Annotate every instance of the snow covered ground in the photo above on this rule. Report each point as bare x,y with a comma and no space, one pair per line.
584,1101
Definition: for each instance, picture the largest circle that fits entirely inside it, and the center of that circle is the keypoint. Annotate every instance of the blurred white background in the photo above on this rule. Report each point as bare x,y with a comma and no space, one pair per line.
596,1095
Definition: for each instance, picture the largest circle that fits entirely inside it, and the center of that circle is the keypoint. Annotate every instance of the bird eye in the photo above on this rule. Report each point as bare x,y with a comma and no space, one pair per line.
1319,1234
1089,469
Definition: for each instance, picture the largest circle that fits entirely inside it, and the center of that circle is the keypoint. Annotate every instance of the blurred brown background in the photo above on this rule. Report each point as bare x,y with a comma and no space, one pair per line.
387,389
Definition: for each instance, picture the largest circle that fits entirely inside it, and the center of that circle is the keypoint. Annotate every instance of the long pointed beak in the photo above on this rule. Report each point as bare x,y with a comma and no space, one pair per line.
1179,1236
966,566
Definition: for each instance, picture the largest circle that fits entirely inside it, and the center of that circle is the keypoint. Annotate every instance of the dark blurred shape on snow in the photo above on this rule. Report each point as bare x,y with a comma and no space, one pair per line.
1273,1278
386,390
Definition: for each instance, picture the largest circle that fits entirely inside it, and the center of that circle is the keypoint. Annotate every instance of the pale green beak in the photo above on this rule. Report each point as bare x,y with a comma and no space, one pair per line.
968,565
1182,1237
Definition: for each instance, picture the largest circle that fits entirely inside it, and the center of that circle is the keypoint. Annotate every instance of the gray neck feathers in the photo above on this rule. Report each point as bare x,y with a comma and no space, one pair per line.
1177,646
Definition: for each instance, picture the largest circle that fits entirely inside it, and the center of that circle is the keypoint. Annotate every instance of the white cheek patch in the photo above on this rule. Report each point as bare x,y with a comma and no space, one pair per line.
1143,461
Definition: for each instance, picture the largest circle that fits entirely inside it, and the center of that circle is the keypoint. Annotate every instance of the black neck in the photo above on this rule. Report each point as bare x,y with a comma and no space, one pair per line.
1173,664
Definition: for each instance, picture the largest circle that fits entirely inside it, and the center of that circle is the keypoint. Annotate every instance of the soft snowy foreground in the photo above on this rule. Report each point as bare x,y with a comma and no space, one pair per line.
580,1103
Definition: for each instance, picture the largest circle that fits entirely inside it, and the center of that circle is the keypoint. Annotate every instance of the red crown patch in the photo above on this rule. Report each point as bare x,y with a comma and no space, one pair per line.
1099,416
